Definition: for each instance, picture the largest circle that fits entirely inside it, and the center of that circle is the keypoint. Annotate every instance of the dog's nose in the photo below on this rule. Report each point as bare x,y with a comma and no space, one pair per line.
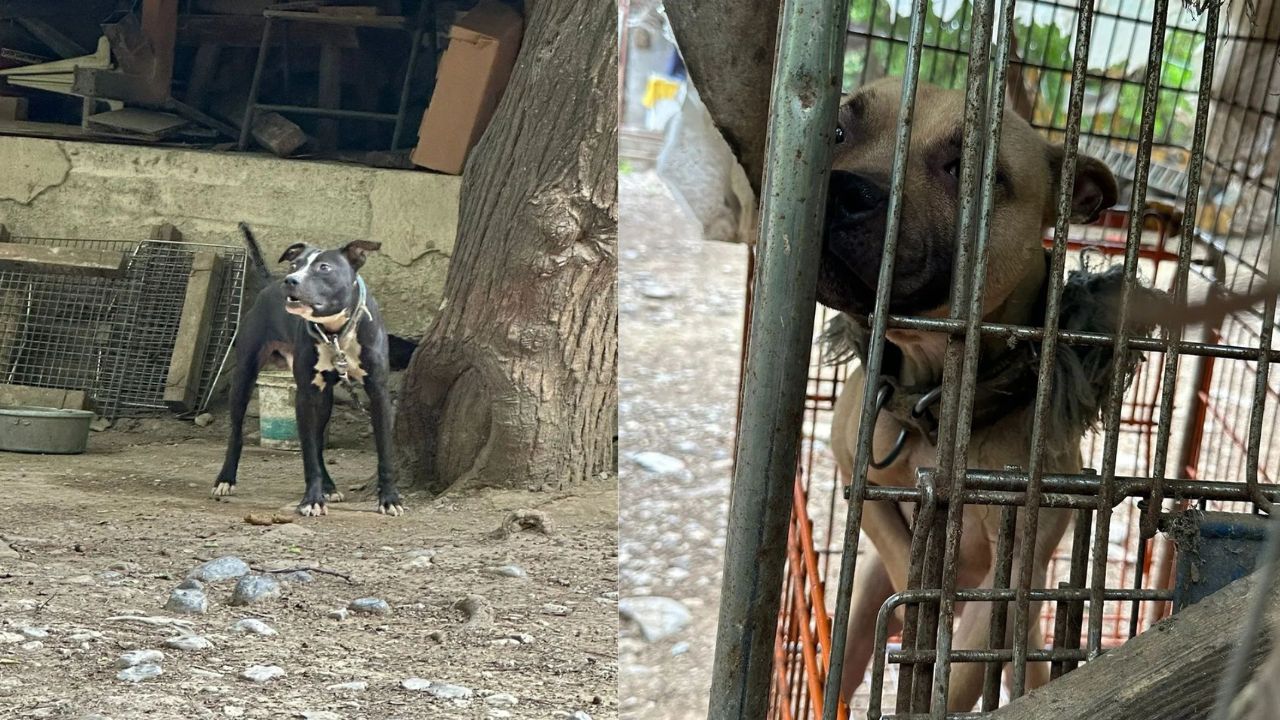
855,196
291,281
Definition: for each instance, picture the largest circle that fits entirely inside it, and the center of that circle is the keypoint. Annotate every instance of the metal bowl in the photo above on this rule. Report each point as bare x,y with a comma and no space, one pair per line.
44,430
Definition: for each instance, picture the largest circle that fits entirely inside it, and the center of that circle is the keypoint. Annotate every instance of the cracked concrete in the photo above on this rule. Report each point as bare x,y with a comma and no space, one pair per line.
64,189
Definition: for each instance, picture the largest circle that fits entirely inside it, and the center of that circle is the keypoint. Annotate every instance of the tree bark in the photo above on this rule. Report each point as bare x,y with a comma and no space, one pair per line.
515,383
728,48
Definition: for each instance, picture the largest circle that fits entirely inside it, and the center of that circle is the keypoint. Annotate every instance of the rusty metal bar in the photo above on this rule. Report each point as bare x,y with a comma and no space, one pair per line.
1118,375
1049,348
805,95
1000,612
875,353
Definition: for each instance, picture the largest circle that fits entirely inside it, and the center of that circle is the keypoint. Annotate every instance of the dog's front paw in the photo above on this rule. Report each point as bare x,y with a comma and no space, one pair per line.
391,506
312,508
333,497
223,489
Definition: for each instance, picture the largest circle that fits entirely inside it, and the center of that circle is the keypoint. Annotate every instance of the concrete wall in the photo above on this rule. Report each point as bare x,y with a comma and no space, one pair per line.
52,188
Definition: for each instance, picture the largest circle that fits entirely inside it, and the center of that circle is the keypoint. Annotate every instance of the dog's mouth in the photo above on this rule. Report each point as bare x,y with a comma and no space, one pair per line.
298,306
850,270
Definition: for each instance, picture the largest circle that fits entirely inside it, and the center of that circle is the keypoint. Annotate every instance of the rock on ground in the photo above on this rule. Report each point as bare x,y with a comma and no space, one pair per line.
253,626
252,589
187,602
369,606
228,567
138,673
657,617
263,673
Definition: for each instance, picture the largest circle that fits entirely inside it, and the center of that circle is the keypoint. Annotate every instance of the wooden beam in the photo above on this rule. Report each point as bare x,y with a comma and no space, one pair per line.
73,261
182,387
1169,671
53,38
239,31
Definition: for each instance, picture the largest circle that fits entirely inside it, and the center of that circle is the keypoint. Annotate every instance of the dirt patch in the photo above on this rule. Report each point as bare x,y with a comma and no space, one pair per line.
525,625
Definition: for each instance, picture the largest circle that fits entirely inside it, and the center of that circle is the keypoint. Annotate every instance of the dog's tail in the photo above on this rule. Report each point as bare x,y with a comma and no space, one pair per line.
255,252
843,339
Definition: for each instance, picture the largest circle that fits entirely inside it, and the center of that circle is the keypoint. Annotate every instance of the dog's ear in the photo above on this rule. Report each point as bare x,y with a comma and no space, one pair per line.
292,252
357,250
1095,187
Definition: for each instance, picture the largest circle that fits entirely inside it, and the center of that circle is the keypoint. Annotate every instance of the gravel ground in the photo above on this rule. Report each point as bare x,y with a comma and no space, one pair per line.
475,626
681,304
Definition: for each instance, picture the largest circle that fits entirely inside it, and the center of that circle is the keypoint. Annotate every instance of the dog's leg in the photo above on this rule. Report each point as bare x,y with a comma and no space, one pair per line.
871,587
241,390
313,406
375,384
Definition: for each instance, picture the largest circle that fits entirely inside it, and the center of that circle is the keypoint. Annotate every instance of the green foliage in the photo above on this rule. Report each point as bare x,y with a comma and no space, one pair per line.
879,48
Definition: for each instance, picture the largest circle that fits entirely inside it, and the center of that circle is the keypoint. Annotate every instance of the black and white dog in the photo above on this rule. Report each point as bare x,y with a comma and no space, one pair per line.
321,322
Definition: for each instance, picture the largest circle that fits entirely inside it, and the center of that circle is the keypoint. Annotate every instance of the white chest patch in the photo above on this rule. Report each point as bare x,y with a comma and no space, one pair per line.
328,361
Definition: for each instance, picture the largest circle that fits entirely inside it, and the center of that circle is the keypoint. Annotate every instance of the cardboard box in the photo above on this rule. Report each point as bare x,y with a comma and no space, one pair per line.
473,74
13,108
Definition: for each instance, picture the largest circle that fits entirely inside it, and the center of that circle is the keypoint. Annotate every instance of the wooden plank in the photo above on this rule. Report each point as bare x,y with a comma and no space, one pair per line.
73,261
271,130
330,95
53,38
1169,671
182,387
240,31
203,69
27,396
148,124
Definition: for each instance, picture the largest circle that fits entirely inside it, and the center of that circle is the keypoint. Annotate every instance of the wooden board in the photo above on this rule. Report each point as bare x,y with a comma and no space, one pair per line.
27,396
182,387
1170,671
74,261
148,124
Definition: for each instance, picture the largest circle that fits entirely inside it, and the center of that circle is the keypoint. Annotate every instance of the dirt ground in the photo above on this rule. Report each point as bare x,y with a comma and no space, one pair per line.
681,309
92,538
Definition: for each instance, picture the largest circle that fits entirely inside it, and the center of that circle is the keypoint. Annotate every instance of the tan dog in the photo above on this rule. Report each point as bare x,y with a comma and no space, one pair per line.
1025,200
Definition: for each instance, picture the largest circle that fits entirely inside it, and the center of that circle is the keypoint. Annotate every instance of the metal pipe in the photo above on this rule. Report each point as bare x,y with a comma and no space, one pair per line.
875,351
805,94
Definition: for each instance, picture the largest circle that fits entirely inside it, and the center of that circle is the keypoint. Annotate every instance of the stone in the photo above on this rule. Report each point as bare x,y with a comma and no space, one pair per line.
340,614
554,609
301,577
233,711
656,617
444,691
418,563
353,686
204,419
191,584
320,715
187,602
263,673
253,626
188,642
427,553
654,291
252,589
658,463
680,648
9,638
228,567
99,424
140,657
32,646
501,700
138,673
369,606
511,571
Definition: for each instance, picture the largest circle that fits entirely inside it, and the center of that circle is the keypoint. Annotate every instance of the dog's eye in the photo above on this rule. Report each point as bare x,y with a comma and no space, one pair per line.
953,168
323,267
839,134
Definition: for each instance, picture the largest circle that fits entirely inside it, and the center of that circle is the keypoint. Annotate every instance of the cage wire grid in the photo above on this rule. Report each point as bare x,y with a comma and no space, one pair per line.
1206,435
113,337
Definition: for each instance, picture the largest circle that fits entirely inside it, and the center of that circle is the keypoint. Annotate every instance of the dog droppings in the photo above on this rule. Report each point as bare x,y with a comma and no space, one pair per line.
138,673
253,626
228,567
369,606
252,589
263,673
187,602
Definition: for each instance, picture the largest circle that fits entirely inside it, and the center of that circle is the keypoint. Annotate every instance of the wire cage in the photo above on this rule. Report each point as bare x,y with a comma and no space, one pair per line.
1197,422
113,337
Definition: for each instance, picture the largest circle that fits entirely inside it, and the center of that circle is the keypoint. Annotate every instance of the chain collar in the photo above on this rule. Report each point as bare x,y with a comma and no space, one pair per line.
336,341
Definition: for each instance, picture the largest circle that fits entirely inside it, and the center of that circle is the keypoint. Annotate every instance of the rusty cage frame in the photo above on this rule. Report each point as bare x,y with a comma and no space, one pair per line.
1194,424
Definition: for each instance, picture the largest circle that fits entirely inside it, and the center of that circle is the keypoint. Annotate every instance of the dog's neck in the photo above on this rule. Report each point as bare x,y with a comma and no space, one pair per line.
922,352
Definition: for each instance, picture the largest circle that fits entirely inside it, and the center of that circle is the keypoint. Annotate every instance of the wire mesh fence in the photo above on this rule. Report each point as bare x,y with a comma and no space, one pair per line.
113,337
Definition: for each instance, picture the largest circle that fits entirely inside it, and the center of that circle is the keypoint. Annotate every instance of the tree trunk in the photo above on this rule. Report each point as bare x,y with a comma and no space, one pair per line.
515,384
728,48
